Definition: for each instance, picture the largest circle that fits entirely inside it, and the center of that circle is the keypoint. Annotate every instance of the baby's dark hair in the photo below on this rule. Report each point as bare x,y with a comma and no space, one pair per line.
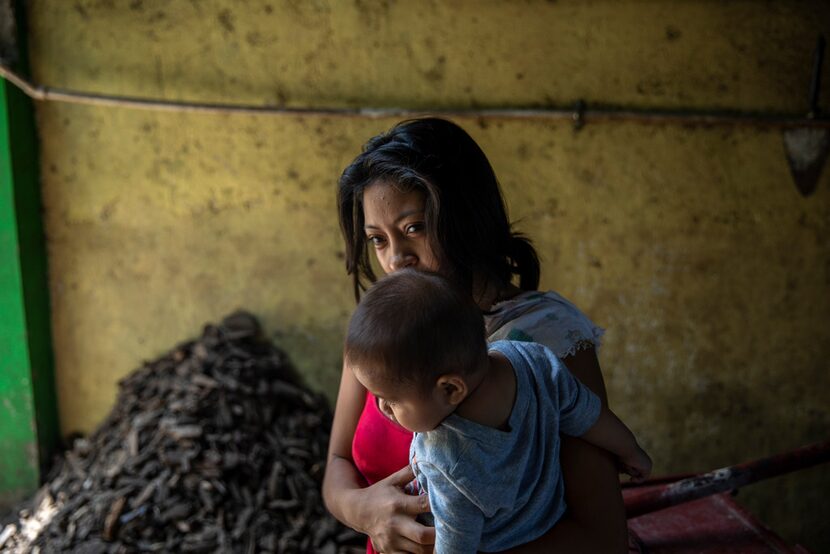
413,326
466,219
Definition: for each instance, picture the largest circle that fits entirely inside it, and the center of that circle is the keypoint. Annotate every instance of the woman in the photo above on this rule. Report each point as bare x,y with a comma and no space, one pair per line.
424,195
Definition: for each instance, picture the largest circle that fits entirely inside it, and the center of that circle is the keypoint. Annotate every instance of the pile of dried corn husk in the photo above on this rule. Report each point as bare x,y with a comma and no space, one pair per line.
214,447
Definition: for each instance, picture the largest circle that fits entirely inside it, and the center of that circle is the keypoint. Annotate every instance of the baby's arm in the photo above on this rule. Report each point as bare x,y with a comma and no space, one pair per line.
611,434
458,522
578,407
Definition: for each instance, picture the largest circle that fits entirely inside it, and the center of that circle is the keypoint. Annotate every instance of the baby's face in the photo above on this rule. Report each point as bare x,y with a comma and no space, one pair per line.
416,410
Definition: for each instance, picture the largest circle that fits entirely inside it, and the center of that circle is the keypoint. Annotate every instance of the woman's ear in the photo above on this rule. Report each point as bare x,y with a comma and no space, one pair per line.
453,388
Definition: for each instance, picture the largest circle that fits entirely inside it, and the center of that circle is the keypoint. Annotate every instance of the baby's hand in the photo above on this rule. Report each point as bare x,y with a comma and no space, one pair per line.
637,464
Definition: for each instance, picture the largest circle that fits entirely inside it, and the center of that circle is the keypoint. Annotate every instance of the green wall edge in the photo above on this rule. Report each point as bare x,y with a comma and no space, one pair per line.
28,415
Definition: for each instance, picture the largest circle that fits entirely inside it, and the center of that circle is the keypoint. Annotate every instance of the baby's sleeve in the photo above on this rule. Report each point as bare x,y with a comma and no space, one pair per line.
458,521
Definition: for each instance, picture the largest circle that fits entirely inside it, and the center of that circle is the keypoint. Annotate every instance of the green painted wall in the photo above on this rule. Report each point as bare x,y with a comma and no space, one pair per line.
28,410
18,437
691,245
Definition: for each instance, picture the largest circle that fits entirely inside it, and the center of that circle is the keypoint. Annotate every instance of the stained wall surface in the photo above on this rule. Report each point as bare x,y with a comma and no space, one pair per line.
689,244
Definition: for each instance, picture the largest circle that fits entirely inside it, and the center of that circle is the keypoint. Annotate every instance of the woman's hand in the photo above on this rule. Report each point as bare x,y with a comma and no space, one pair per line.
383,510
387,514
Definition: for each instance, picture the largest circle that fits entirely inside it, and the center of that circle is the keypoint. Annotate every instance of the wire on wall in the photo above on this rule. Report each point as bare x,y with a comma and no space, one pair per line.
579,114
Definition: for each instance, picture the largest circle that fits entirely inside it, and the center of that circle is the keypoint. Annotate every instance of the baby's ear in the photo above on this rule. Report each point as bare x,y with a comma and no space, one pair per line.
453,387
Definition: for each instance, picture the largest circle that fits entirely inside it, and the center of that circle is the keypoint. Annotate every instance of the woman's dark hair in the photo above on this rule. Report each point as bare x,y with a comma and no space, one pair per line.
413,326
466,220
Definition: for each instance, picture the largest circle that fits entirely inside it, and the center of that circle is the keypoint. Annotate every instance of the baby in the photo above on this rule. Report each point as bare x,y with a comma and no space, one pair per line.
486,422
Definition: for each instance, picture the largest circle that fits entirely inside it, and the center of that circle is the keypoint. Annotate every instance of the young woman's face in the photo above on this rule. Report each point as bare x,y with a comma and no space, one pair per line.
395,227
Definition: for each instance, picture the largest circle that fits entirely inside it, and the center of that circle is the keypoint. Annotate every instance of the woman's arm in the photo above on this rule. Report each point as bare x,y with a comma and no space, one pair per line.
595,519
382,511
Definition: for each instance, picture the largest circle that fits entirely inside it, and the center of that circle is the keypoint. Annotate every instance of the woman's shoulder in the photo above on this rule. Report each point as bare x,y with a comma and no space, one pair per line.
544,317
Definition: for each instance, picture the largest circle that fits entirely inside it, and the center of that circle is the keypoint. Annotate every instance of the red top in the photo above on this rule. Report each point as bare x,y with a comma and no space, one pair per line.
375,433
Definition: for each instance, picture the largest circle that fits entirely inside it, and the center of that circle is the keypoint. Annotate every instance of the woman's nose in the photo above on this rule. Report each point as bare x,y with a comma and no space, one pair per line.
402,258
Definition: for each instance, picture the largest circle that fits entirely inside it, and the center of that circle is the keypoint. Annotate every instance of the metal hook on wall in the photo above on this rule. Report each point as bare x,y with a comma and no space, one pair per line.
807,148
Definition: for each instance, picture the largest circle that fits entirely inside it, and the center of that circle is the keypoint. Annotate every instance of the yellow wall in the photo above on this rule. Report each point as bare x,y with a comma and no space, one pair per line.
690,244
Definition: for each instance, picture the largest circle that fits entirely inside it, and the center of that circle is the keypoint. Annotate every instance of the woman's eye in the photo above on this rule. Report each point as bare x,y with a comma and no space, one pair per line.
414,228
375,240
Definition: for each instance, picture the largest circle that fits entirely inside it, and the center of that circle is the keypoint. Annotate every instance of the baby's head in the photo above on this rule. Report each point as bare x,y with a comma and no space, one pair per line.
414,341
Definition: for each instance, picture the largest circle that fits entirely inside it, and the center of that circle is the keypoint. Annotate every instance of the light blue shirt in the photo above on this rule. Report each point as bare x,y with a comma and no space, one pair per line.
489,489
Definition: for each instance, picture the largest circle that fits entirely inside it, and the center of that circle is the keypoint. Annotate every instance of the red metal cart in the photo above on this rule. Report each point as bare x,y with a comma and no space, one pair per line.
697,514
